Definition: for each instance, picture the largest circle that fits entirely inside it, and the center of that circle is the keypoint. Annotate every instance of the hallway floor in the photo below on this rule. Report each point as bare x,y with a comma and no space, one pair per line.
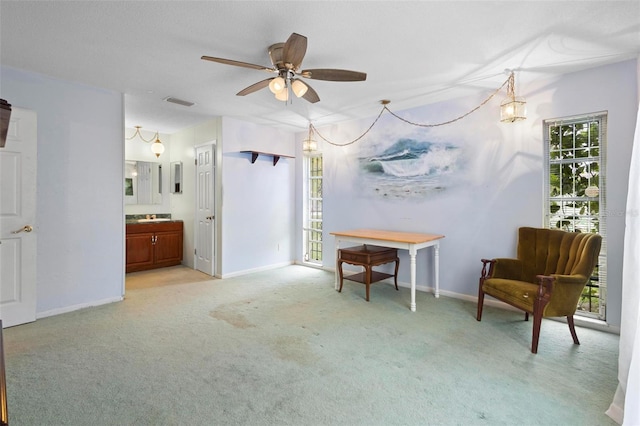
164,276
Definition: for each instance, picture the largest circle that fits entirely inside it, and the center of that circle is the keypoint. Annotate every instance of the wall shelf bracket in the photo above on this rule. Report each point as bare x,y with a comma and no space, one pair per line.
276,157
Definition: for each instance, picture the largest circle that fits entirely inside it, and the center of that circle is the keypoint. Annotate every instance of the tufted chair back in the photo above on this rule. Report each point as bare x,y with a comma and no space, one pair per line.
557,252
553,251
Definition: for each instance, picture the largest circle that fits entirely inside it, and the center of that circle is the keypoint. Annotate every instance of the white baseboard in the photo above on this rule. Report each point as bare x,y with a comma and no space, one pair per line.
586,322
254,270
72,308
313,265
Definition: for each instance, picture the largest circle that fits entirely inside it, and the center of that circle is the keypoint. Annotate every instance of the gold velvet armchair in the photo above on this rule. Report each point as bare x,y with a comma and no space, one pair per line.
546,279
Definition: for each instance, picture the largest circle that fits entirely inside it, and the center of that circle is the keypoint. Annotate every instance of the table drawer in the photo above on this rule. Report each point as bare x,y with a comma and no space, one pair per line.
368,255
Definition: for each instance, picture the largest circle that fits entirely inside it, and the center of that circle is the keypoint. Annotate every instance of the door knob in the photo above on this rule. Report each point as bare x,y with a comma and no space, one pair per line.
26,228
209,217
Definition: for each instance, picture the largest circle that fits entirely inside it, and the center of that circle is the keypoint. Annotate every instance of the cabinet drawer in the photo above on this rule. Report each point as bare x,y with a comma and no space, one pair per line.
141,228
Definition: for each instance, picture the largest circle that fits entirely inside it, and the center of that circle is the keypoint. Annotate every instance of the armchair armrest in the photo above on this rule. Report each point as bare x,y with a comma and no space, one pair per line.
486,273
545,285
566,293
509,269
571,279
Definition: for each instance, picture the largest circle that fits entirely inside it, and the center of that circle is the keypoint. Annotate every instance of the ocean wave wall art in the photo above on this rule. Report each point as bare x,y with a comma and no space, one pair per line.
410,169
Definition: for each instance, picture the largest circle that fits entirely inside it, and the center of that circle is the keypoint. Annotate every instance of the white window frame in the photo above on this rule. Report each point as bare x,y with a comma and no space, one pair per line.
601,118
312,222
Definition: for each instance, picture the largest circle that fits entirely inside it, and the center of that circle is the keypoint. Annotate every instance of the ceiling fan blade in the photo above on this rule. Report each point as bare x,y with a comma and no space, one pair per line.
255,87
311,95
238,63
294,50
334,75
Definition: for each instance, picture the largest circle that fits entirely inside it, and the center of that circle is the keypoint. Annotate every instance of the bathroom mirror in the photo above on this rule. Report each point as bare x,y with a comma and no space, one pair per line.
142,182
176,177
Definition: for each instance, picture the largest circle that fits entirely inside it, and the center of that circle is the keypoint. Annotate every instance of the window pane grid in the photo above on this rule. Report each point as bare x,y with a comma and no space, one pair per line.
312,229
574,198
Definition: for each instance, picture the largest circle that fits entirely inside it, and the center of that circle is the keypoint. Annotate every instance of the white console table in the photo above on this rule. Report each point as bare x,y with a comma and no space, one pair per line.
401,240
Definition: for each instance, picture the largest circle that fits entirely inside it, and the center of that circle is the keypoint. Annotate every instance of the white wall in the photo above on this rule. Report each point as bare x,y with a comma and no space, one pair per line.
255,203
183,205
80,215
258,205
498,184
610,88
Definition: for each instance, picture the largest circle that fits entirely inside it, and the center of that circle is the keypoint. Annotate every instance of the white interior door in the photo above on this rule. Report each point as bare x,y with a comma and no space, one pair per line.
205,208
17,220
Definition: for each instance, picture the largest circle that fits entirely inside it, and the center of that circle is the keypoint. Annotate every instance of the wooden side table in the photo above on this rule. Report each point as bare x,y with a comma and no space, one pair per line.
368,256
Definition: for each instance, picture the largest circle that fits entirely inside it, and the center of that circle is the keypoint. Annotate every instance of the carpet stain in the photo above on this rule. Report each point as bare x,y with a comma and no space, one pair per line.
235,319
294,349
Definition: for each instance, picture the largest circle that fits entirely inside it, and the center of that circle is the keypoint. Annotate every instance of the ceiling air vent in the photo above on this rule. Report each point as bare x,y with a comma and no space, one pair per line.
178,101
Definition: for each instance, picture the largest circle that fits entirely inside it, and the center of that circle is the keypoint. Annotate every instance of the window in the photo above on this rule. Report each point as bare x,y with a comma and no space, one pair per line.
312,230
575,192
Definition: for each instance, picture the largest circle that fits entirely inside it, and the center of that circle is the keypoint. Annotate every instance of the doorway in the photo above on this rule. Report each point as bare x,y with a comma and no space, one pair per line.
205,209
18,230
171,275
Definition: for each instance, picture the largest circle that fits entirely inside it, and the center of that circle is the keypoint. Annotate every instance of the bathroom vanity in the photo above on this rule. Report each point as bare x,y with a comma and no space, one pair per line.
153,244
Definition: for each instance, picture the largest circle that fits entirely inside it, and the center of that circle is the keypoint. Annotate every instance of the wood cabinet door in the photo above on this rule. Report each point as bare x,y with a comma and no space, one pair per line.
168,248
139,251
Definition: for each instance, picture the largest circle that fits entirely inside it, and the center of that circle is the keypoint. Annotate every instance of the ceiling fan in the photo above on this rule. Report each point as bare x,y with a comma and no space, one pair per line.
286,59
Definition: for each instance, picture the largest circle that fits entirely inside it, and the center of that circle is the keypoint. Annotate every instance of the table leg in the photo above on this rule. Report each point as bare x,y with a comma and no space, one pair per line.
436,265
412,254
337,266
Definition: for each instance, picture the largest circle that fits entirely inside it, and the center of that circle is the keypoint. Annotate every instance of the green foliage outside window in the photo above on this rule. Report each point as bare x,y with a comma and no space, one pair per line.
313,219
574,190
574,176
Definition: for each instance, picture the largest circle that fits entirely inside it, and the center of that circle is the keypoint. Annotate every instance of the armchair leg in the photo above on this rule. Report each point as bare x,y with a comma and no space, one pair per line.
537,322
487,271
480,300
544,294
572,329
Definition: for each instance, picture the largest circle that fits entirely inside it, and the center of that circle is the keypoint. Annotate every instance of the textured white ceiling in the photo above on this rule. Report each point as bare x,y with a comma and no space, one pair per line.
414,53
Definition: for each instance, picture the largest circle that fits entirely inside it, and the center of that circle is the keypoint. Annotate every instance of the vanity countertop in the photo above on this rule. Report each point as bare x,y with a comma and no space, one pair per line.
149,218
145,221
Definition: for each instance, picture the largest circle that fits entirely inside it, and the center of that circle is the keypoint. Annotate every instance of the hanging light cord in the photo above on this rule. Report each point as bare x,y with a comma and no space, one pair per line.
137,133
311,126
508,82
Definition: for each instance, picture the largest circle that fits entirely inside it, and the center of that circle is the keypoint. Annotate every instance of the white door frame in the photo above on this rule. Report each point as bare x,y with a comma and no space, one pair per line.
209,217
18,230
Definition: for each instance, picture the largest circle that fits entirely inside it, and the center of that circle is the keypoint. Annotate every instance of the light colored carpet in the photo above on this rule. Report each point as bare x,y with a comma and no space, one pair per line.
282,347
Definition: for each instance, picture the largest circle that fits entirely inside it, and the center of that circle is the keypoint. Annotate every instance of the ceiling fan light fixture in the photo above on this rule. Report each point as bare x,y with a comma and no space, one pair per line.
299,88
286,60
283,95
277,85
